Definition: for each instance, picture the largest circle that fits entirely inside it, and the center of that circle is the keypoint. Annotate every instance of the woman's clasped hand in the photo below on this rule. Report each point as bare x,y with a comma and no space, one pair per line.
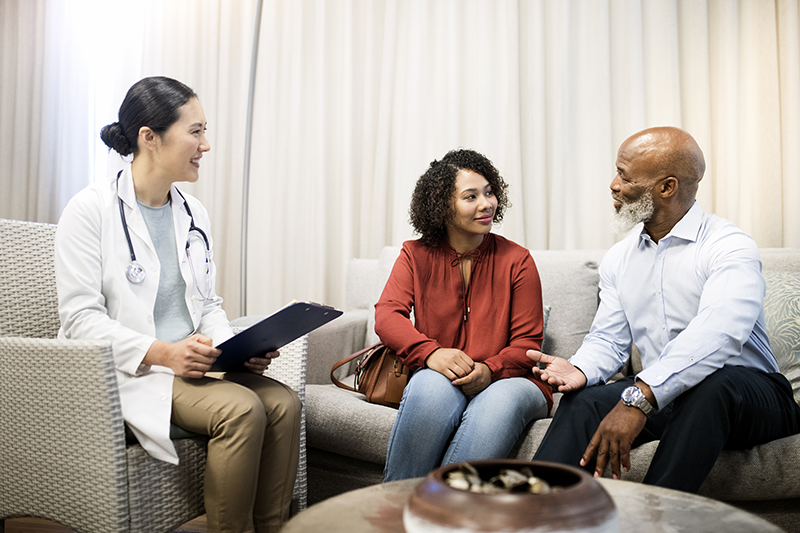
471,377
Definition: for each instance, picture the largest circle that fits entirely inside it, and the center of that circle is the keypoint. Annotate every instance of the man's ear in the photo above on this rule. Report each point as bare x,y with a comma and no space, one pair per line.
668,187
148,139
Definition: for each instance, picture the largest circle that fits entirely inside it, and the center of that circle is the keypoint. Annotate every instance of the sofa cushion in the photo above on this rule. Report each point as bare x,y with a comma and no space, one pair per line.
765,472
386,260
569,286
359,284
344,422
345,335
780,259
782,314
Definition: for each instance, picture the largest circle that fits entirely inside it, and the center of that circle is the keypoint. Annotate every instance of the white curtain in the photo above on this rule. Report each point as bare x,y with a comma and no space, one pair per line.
38,161
207,44
354,98
66,66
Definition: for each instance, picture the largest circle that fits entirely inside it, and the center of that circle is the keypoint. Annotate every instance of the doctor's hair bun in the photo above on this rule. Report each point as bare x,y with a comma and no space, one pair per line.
114,137
152,103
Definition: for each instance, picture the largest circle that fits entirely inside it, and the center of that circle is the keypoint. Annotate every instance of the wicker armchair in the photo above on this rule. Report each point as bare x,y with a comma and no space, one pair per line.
63,451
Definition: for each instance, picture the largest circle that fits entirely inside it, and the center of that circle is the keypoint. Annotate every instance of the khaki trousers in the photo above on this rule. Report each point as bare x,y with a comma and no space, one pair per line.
254,427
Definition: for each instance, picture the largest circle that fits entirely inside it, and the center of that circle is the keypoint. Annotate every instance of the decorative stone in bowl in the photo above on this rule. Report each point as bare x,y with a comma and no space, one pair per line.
577,503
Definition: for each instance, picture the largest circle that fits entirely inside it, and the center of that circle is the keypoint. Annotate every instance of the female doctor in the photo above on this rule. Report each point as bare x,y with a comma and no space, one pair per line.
134,267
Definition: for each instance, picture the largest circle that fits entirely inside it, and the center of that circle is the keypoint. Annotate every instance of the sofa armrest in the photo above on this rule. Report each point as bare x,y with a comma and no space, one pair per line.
333,342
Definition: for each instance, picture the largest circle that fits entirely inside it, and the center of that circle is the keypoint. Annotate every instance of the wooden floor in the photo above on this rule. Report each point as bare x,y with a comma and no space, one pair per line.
35,525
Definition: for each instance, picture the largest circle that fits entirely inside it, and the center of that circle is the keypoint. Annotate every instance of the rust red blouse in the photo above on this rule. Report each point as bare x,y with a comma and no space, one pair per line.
495,321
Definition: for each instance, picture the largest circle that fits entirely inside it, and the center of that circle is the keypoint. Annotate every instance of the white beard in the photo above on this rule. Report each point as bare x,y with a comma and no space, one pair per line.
632,213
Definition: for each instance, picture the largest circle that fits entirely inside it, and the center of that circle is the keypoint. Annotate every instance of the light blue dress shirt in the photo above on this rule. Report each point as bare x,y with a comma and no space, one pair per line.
691,303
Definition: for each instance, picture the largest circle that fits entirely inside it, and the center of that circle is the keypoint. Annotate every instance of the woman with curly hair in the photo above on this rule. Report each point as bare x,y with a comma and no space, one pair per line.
477,308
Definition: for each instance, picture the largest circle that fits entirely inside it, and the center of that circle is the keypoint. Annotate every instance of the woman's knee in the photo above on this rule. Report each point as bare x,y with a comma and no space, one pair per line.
431,396
244,410
429,387
427,378
275,398
282,403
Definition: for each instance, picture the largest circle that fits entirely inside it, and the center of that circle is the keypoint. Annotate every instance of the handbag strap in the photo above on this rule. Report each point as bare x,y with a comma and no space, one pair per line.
347,360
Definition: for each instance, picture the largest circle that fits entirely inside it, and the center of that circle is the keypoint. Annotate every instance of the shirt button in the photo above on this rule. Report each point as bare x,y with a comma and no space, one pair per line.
150,320
663,326
659,377
666,389
658,291
163,398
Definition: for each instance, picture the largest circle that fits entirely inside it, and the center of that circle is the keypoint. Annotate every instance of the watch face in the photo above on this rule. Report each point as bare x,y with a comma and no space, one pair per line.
629,395
634,397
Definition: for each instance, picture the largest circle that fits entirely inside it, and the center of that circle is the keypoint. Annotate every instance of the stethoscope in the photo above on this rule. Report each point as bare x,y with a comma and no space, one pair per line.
135,271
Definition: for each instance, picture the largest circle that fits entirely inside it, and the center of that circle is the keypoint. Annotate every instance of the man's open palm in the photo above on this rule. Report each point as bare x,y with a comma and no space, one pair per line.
558,372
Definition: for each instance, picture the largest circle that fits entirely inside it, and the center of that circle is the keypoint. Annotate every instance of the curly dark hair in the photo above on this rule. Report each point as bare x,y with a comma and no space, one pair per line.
432,205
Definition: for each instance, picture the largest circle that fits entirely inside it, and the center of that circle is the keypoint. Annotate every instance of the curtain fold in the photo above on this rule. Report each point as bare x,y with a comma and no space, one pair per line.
354,99
788,27
66,66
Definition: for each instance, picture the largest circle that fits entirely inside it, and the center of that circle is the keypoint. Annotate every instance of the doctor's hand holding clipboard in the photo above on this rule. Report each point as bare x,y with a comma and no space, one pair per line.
271,333
195,355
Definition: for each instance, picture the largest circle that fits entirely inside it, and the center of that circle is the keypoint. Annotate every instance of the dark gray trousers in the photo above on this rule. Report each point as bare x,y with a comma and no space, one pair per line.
733,408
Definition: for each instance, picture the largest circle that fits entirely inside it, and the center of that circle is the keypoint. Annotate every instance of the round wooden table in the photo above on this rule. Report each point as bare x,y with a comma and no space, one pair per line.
379,509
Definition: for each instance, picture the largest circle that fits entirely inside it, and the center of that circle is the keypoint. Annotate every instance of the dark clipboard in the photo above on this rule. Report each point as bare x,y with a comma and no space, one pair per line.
279,329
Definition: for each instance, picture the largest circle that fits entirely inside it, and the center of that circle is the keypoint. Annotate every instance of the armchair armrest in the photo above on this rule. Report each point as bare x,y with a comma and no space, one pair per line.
334,341
63,437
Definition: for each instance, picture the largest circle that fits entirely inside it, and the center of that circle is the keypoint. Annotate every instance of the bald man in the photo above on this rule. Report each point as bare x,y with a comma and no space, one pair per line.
688,292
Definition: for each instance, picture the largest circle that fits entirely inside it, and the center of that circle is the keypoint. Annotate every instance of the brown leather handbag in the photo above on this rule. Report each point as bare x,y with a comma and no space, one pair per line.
380,375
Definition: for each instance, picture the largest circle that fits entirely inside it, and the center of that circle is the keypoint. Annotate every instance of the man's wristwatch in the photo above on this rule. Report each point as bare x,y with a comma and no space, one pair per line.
634,397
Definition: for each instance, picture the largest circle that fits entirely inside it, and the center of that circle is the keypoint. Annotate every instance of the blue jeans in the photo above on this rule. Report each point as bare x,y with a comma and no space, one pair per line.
438,425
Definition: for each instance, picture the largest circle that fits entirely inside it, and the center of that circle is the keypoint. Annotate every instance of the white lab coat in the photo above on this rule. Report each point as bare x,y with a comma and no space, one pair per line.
96,300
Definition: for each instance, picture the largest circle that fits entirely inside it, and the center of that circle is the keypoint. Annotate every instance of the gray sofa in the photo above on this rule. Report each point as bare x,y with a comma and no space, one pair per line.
347,437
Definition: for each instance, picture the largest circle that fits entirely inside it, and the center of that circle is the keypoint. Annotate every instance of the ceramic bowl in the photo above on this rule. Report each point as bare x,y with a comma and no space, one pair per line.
581,506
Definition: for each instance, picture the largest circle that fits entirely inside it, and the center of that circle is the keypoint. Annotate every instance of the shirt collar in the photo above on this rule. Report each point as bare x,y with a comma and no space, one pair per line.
476,253
127,191
686,229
